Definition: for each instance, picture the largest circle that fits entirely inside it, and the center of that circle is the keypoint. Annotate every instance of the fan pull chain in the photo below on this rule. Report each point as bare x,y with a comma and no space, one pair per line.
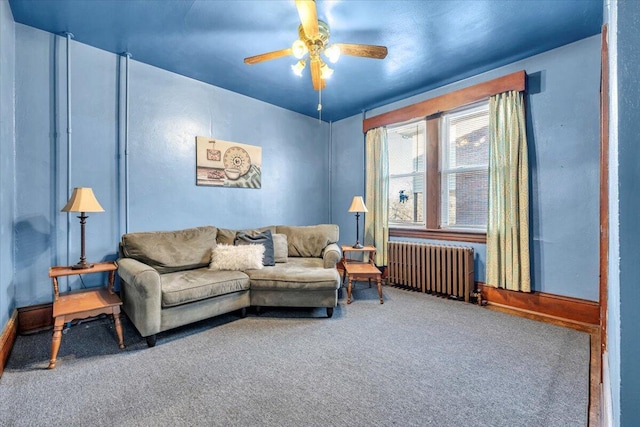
320,104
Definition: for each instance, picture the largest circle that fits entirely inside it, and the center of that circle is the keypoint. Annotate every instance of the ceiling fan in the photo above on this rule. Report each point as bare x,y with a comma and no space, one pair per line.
314,40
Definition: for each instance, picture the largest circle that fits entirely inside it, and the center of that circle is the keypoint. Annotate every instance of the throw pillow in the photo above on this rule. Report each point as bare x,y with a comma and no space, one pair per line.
225,236
280,247
240,258
169,251
264,239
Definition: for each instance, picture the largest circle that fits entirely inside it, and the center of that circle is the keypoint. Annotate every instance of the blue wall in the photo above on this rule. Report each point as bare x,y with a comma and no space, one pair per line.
347,153
7,162
170,110
628,31
167,112
563,118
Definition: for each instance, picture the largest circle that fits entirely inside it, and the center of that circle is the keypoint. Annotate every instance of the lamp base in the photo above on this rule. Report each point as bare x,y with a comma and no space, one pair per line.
357,246
82,265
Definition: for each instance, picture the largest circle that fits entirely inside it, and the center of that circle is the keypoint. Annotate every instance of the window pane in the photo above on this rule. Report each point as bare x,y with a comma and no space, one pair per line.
464,168
406,200
465,203
468,143
406,173
406,148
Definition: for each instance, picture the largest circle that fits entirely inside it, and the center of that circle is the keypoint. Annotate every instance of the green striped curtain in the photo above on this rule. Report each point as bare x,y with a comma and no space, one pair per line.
376,229
508,263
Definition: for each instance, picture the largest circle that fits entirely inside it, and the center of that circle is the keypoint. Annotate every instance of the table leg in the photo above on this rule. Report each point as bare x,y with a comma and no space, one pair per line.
349,290
116,320
380,290
55,341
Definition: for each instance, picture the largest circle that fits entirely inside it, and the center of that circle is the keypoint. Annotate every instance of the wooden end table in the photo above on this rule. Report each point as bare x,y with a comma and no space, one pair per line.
83,303
358,270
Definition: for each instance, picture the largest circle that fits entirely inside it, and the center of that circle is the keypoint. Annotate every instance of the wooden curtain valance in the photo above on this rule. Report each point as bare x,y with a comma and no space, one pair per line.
515,81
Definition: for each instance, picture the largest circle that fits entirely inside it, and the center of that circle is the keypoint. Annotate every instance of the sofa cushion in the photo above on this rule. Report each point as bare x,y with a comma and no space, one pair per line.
297,273
308,241
226,236
239,258
265,239
193,285
280,247
168,251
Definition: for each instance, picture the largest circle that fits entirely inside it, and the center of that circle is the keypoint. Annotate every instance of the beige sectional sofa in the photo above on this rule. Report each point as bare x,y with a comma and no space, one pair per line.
166,280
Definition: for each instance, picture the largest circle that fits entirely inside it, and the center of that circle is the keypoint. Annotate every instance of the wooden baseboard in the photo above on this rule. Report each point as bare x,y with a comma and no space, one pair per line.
568,309
7,339
35,318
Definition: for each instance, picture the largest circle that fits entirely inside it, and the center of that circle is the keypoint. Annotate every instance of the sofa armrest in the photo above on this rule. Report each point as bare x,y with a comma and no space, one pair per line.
331,255
141,295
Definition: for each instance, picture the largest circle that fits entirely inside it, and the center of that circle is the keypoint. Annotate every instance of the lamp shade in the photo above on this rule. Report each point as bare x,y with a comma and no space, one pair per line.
82,200
357,205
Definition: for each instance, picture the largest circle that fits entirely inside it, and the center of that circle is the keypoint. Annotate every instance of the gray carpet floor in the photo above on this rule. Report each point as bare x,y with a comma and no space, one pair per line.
417,360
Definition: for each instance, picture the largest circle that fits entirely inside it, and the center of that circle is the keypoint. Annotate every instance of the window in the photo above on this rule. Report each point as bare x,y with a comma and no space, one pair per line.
438,172
464,167
406,173
438,184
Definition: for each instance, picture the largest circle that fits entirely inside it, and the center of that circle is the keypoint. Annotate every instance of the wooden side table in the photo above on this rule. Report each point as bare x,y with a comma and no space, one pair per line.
83,303
371,250
358,270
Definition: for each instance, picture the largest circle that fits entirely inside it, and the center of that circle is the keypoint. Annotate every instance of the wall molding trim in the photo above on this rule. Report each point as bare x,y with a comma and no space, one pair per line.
7,339
514,81
558,307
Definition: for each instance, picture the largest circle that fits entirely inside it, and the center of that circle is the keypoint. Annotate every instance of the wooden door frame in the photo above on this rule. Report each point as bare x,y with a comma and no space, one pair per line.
604,188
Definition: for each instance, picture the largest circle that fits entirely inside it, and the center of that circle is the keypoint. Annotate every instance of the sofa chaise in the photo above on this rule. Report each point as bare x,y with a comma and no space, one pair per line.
167,277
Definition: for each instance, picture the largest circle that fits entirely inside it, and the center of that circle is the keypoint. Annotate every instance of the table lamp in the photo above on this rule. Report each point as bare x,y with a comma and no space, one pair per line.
82,200
357,206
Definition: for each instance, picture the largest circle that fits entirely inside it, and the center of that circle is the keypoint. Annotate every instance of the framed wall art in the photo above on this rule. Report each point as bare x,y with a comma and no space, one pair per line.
227,164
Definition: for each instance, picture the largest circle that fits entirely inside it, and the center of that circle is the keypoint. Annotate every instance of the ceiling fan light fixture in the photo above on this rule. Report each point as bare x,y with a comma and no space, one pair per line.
332,53
325,72
313,45
298,67
299,49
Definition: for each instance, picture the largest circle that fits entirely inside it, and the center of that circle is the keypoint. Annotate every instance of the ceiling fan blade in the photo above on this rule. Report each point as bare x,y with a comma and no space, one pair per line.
308,17
318,82
364,50
267,56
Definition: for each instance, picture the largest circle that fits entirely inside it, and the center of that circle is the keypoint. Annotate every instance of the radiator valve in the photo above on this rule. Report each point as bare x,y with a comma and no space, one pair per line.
477,294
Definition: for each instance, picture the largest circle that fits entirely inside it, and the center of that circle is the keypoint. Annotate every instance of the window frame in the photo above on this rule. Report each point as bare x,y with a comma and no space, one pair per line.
430,110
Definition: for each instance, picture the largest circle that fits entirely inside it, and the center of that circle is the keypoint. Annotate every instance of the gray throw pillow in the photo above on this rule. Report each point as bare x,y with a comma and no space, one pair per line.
280,247
264,239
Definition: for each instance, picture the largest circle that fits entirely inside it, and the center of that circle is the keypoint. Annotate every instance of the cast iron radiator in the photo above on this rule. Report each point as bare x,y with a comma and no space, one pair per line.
437,269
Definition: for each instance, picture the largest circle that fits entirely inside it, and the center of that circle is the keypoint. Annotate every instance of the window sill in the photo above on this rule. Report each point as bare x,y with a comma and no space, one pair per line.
456,236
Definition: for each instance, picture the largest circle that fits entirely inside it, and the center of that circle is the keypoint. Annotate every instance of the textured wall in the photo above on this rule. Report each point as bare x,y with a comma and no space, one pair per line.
629,205
167,111
563,122
164,119
347,151
7,162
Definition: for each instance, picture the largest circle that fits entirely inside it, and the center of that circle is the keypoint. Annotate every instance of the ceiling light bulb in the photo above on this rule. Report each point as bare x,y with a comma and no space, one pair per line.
299,49
298,67
325,72
332,53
